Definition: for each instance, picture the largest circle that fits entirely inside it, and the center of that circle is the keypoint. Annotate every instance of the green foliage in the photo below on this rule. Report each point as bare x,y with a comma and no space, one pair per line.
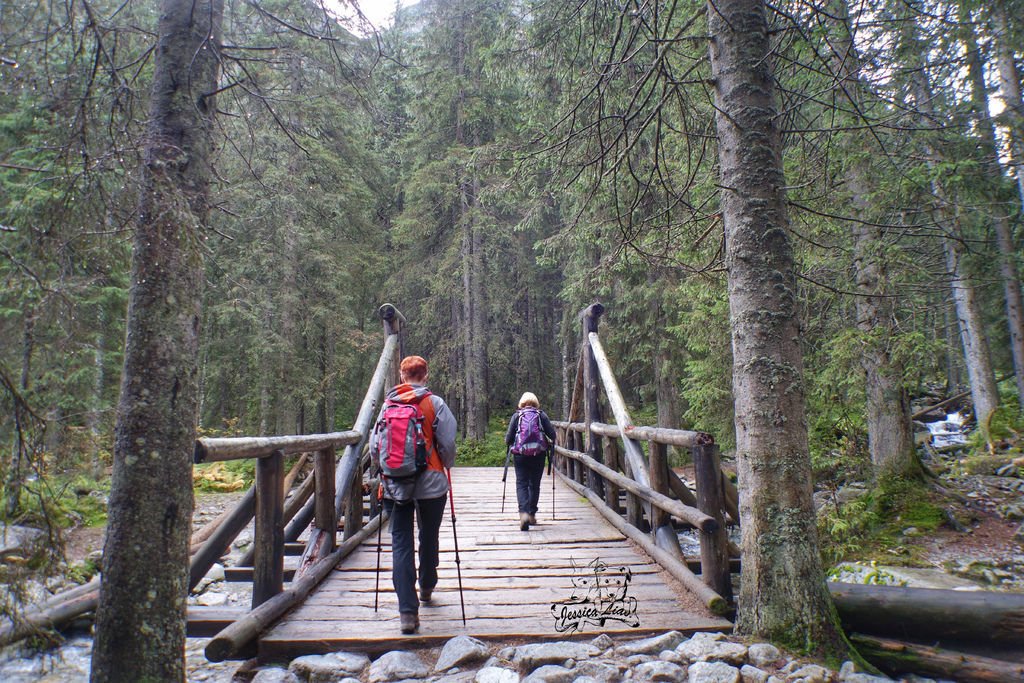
490,452
874,523
60,502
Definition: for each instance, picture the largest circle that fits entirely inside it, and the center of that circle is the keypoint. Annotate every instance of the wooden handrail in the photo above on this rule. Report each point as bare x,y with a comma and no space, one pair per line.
239,448
684,512
683,438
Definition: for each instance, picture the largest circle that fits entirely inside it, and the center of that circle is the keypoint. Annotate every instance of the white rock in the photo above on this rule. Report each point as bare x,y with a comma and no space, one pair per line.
763,654
274,675
529,657
211,599
396,665
603,672
659,671
460,650
712,647
496,674
811,673
332,666
712,672
551,673
650,646
751,674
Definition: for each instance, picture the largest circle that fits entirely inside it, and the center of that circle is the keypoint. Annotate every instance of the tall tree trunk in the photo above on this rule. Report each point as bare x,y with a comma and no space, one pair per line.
783,596
472,258
1010,91
890,432
998,195
140,621
984,393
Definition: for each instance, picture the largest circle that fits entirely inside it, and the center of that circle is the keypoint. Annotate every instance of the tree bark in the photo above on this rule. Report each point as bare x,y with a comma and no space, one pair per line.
995,181
783,594
1010,91
140,622
984,394
890,433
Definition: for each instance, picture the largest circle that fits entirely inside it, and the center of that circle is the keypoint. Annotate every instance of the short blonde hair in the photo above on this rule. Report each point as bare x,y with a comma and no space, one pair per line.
529,399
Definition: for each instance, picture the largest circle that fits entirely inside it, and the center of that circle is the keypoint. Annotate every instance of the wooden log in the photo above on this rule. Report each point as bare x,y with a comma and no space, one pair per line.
670,437
732,499
324,515
634,456
350,460
931,614
354,504
674,566
591,403
682,491
673,507
611,460
291,509
237,448
714,543
895,658
221,539
268,562
241,633
659,482
50,618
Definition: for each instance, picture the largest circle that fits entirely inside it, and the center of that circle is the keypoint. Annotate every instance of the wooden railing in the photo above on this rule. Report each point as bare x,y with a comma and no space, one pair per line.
334,492
606,463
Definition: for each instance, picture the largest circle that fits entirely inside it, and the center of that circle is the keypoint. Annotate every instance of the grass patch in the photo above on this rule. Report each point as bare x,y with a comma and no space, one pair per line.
488,452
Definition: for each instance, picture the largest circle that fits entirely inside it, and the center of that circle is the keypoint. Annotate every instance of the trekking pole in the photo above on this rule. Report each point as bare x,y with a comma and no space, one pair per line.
380,526
504,477
455,537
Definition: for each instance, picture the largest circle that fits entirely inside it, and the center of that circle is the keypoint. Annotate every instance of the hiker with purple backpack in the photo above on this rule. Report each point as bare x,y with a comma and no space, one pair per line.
530,437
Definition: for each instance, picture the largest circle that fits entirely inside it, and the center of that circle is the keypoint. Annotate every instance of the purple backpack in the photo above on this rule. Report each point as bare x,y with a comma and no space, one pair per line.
530,439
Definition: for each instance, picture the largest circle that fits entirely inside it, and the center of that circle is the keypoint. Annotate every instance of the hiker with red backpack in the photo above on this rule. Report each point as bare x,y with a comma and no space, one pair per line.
530,437
413,444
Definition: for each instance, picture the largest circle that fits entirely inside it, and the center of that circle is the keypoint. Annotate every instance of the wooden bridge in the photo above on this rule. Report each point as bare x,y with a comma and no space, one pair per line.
609,561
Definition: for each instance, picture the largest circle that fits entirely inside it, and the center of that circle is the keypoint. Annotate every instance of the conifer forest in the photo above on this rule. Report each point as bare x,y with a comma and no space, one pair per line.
803,220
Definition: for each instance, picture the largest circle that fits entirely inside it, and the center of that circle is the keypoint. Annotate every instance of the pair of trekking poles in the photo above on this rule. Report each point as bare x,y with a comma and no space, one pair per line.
455,537
504,480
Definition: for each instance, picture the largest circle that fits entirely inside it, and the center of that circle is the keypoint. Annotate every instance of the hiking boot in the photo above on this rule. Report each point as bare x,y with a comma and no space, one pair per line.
524,521
533,519
410,622
425,594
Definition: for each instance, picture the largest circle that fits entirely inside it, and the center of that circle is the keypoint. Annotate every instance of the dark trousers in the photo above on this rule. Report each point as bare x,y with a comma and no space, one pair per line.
430,512
529,472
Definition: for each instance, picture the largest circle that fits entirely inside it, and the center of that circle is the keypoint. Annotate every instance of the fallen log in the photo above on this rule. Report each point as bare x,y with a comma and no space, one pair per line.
931,614
50,618
895,657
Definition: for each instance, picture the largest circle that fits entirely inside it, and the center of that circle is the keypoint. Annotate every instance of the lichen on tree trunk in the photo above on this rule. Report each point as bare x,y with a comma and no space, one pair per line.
140,622
783,594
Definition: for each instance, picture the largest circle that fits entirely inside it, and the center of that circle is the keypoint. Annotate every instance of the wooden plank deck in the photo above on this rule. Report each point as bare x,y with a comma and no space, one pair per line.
512,581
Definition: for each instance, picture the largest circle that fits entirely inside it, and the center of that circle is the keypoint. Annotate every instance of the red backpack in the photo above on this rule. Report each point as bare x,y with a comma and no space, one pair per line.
405,438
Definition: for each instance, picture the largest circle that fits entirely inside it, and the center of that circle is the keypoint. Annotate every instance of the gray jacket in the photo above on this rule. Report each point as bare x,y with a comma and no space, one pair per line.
430,483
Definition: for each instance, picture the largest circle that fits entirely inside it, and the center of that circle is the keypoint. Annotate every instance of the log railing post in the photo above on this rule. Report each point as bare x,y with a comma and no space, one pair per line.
591,404
658,455
354,505
268,564
325,515
611,459
714,545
